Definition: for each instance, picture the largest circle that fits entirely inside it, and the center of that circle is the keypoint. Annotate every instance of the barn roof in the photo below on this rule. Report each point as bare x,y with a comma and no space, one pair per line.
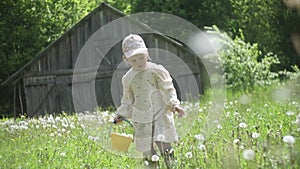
13,79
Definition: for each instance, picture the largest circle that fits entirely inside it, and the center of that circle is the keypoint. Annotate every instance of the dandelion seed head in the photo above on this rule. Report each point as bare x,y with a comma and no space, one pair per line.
249,154
62,154
255,135
201,146
235,113
290,113
189,155
154,157
200,137
242,125
146,163
289,139
236,141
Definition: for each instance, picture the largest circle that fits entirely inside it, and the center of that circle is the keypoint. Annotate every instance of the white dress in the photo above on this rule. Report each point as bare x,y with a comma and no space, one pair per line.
148,99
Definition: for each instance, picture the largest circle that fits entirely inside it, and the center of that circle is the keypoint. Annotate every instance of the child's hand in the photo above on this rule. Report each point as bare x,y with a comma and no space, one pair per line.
118,119
180,111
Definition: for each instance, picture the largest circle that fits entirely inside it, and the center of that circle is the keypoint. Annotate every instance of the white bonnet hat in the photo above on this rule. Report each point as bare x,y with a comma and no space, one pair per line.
133,44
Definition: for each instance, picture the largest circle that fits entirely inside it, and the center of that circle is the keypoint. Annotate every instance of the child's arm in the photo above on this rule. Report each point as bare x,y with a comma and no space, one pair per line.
165,84
125,109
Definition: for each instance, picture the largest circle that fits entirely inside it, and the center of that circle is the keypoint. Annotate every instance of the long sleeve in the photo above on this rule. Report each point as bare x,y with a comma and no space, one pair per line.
125,109
166,86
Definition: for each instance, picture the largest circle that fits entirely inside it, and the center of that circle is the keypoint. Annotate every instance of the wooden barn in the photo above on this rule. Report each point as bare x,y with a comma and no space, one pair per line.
49,83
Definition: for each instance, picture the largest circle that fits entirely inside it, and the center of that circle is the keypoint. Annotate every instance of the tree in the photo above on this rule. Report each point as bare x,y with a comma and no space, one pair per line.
26,27
267,23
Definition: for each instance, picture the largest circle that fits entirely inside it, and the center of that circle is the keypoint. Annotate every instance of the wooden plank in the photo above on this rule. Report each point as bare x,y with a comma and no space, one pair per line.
74,47
95,19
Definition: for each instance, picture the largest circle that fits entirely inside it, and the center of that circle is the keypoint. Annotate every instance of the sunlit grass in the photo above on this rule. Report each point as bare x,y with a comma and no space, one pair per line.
255,131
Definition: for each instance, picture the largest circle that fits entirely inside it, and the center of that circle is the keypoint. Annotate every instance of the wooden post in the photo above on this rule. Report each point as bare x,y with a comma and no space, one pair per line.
15,113
20,98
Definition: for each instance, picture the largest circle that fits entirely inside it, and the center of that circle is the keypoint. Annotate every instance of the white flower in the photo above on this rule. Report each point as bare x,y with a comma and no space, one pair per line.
242,125
155,157
255,135
161,137
236,113
248,154
289,139
201,146
189,155
62,154
72,126
220,127
23,127
146,163
290,113
199,137
236,141
65,125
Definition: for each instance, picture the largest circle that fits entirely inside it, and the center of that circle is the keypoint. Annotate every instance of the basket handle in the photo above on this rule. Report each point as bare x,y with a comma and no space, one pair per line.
123,119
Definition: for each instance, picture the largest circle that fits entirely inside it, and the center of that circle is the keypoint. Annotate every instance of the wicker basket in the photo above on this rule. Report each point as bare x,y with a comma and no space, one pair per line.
120,142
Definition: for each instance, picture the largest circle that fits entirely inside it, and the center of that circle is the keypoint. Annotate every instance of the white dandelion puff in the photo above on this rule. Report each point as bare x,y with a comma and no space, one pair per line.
289,139
189,155
249,154
255,135
290,113
235,113
201,147
155,157
200,137
236,141
62,154
242,125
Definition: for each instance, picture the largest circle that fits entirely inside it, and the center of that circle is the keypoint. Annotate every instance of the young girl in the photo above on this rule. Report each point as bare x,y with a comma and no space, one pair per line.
149,100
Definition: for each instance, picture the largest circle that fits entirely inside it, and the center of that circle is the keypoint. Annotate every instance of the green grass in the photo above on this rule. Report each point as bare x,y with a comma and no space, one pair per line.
81,141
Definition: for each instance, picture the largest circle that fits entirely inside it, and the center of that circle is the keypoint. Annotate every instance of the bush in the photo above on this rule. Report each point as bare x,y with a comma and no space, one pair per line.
241,62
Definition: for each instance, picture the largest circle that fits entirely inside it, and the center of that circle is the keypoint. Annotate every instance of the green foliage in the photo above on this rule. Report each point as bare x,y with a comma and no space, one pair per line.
269,24
242,64
26,27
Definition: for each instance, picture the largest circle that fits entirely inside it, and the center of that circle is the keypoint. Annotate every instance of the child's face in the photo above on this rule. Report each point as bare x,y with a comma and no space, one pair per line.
137,62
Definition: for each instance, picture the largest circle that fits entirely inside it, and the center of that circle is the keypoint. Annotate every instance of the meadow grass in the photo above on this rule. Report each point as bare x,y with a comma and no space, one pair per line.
255,130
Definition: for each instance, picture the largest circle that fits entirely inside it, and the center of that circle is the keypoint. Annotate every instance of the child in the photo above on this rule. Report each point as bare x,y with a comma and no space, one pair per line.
149,100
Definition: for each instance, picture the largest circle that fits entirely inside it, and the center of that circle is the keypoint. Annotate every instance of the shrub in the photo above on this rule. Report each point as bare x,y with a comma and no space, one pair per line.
244,64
